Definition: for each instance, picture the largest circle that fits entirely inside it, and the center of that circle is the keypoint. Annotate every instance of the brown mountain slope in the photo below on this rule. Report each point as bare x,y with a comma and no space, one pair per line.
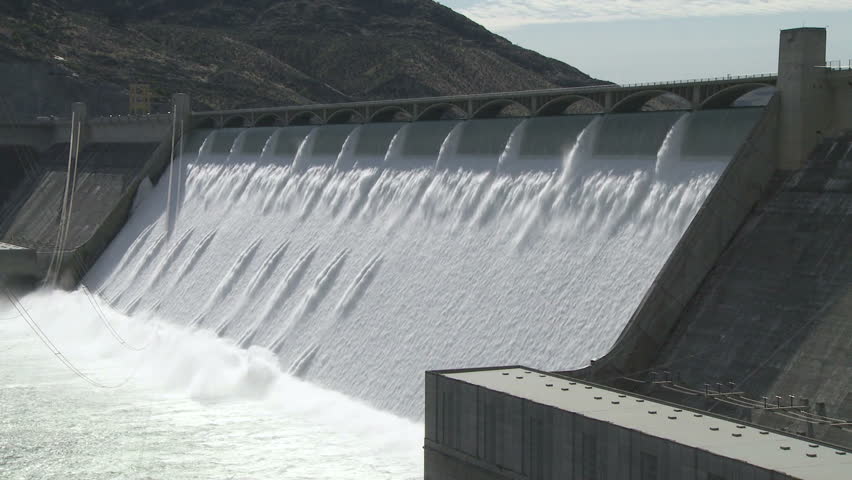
239,53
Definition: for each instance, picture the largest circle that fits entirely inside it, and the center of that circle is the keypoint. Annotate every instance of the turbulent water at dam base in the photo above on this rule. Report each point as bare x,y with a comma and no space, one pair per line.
278,294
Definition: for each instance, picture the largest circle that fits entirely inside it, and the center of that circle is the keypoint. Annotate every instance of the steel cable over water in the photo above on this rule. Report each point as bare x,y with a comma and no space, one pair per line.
22,311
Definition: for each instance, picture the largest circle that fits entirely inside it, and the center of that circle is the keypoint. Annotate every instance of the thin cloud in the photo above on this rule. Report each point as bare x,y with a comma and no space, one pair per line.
508,14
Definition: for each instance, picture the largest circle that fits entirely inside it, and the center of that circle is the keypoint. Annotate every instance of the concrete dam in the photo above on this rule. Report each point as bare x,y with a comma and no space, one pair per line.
652,251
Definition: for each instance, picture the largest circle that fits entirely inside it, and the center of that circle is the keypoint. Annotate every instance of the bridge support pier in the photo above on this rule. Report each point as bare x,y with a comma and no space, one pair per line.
805,94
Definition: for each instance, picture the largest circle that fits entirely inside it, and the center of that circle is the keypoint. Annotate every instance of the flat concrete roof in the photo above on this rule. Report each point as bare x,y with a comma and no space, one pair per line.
768,450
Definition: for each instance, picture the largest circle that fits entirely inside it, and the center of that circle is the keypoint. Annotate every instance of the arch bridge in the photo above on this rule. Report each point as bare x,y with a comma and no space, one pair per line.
689,95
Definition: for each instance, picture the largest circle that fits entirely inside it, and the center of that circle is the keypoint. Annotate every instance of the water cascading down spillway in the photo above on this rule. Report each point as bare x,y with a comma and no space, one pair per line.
364,255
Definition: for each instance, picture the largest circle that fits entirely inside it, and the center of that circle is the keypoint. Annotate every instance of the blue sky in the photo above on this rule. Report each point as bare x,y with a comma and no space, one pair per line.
629,41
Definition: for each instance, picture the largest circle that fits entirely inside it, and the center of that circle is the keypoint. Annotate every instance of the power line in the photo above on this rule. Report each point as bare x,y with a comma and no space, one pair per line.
45,339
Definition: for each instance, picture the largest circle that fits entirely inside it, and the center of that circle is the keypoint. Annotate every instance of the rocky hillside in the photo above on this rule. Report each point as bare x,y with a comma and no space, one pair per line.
241,53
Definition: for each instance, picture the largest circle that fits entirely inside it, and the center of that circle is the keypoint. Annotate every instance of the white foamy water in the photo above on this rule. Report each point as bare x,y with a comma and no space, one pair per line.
353,259
191,406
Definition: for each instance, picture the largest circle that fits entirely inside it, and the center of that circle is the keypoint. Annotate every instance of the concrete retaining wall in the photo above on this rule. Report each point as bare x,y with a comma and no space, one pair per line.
739,188
18,262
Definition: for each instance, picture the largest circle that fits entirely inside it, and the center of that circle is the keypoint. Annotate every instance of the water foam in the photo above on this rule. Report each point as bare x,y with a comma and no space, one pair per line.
195,365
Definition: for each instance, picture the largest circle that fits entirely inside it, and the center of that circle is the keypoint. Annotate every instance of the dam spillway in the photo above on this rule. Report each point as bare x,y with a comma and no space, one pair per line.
363,255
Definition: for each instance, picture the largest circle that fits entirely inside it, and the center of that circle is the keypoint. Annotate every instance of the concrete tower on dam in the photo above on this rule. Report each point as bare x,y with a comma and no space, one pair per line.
806,97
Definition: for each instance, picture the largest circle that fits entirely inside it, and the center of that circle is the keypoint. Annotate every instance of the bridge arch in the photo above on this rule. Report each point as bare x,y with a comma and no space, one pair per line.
305,118
441,111
726,97
390,114
269,120
558,105
206,123
235,122
345,116
494,108
634,102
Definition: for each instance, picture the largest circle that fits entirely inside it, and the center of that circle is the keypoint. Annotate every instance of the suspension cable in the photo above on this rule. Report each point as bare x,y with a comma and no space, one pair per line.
64,205
45,339
78,270
73,172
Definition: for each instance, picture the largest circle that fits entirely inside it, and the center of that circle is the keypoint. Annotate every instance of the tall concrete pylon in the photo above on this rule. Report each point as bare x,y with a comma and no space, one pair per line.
805,94
183,109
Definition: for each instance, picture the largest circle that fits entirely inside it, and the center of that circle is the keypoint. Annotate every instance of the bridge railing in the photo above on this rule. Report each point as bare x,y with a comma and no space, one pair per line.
838,65
449,99
492,95
703,80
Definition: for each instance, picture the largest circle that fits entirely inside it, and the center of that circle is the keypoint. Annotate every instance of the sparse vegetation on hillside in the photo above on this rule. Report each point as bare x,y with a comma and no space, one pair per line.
238,53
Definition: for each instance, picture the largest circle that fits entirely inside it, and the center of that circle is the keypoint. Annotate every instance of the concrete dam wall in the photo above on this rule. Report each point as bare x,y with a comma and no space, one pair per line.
739,188
773,316
16,161
107,177
105,172
414,241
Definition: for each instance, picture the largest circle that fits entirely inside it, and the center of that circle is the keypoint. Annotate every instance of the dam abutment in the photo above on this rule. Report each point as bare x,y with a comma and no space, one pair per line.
113,156
739,188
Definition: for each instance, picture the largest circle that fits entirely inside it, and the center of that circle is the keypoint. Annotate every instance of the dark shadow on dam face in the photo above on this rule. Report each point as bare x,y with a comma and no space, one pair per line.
104,172
773,315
